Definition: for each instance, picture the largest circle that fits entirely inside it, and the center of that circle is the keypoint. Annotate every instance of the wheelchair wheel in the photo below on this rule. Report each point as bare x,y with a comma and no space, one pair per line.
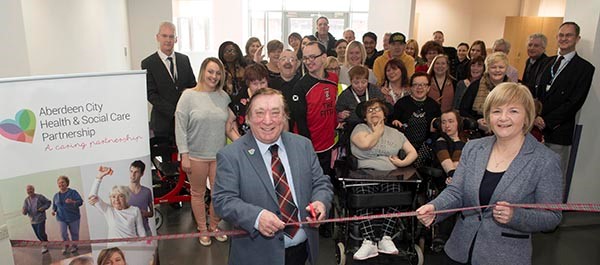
158,218
340,254
419,255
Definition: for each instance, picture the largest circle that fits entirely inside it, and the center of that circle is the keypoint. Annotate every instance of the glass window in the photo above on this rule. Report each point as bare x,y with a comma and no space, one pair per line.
287,16
192,19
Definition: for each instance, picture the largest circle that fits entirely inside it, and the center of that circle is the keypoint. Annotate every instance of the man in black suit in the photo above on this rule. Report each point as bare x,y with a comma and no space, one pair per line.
562,88
168,73
536,50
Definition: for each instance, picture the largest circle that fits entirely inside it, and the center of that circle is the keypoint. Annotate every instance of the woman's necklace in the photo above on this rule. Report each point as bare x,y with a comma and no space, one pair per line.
506,158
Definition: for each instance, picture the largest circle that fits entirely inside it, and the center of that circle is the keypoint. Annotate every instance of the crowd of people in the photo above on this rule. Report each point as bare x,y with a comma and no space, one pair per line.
320,86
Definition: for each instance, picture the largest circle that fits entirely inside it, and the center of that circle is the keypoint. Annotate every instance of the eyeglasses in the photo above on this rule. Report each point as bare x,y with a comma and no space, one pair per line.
373,109
420,85
290,60
310,58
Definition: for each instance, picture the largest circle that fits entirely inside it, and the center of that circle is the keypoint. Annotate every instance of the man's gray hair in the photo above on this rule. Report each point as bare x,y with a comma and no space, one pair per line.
500,42
540,36
167,24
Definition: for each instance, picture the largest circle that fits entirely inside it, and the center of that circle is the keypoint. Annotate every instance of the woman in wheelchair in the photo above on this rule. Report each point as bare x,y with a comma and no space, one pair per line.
376,146
448,147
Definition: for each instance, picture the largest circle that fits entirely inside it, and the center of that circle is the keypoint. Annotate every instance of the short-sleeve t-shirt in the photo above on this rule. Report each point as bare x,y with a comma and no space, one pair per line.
141,200
378,157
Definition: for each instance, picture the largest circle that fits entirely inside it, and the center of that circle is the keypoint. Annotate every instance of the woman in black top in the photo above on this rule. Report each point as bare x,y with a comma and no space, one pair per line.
231,56
413,115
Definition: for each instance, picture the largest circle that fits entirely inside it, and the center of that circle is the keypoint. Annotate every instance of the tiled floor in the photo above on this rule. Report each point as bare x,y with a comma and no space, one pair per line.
576,242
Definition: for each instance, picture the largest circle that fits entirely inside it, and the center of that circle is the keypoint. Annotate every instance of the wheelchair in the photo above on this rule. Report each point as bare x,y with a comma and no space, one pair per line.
347,235
434,177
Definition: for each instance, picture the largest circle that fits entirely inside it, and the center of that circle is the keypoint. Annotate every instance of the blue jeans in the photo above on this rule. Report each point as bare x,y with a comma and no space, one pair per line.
72,227
40,230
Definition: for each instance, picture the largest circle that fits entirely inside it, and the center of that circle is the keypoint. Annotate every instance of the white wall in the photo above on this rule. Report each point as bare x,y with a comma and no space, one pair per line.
390,16
586,176
73,36
144,16
14,57
463,20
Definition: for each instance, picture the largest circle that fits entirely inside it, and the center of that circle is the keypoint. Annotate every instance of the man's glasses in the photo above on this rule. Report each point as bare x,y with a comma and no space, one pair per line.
421,85
310,58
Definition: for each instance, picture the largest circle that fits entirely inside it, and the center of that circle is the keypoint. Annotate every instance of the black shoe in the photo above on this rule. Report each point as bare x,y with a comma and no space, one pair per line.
437,245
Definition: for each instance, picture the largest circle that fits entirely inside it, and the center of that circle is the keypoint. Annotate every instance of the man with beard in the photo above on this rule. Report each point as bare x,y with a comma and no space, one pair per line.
370,43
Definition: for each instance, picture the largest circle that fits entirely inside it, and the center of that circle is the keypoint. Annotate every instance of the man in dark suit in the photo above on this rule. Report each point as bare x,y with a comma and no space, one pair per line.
536,50
562,88
168,73
254,192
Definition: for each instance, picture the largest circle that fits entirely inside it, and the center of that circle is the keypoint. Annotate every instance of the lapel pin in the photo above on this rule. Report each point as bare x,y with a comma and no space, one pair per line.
251,151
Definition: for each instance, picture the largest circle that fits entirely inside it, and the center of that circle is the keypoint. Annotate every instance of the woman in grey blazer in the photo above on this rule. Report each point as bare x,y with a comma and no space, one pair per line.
508,167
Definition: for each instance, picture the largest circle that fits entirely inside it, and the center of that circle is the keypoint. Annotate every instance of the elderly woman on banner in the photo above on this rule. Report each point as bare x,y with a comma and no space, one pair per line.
510,167
123,219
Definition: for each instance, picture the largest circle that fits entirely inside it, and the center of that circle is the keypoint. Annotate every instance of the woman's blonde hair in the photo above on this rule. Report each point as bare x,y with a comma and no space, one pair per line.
511,93
120,190
204,65
363,53
495,57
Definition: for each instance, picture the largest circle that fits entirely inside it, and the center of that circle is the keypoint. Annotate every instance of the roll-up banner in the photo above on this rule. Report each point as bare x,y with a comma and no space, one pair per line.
58,135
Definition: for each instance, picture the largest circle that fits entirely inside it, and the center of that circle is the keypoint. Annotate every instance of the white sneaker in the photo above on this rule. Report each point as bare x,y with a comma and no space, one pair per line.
387,246
74,249
44,250
366,251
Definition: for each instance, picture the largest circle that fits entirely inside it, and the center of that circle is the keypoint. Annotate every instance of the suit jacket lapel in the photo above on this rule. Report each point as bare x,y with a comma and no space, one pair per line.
564,73
165,70
256,160
515,168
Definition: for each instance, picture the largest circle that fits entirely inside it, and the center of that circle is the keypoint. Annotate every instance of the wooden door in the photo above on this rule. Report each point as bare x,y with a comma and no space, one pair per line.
517,31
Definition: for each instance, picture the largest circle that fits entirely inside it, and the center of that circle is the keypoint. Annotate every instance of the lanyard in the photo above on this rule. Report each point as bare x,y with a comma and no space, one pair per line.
560,68
356,96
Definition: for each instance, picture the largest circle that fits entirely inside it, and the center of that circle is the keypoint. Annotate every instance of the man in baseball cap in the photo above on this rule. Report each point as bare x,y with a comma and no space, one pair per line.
397,44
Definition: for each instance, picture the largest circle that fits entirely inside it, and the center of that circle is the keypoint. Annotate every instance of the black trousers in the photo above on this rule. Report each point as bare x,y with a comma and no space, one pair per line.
297,255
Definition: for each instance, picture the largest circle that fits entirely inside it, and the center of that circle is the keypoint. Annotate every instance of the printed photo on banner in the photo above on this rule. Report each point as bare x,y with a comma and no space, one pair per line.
120,203
46,206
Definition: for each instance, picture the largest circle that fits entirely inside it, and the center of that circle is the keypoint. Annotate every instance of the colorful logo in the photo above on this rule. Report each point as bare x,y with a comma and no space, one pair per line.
21,129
